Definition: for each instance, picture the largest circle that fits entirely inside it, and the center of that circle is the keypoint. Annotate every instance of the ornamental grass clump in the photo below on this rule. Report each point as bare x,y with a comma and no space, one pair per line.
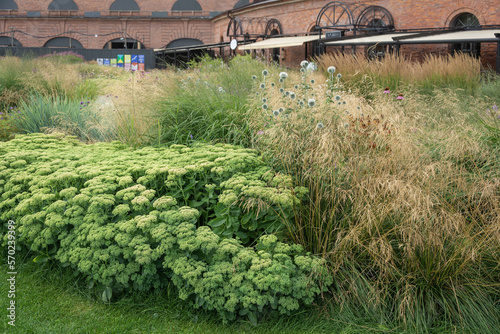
402,200
146,218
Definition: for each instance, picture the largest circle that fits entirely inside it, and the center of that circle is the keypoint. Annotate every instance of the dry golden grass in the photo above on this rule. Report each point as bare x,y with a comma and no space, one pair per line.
397,192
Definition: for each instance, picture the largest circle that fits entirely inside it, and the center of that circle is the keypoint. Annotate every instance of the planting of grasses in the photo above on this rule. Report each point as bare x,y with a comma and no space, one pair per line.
458,71
403,195
207,103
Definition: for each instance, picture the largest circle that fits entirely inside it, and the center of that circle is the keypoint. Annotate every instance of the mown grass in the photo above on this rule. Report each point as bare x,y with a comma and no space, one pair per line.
50,299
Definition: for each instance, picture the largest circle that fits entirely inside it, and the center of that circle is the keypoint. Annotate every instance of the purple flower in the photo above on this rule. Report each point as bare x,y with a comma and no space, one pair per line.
11,108
400,96
1,113
81,102
387,91
260,133
495,107
191,136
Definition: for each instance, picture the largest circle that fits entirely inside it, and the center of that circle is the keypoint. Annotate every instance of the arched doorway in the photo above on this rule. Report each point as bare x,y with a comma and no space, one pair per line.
274,28
466,21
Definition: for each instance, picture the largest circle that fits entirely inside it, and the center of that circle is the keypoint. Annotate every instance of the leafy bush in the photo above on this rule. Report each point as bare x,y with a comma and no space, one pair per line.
135,218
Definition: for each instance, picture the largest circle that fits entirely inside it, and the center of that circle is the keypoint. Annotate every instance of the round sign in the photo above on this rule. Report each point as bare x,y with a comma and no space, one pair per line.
233,44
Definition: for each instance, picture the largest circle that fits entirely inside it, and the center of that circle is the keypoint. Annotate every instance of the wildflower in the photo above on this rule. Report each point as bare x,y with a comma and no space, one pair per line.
337,97
495,108
387,91
304,63
272,84
301,102
265,72
281,80
1,113
264,100
302,70
11,108
264,106
339,76
283,75
281,109
282,90
400,96
312,81
296,86
287,93
260,133
292,95
319,126
311,102
344,102
331,69
358,107
262,85
254,77
276,113
81,102
191,136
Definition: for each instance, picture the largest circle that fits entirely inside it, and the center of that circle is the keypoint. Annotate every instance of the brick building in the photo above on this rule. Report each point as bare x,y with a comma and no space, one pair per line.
98,24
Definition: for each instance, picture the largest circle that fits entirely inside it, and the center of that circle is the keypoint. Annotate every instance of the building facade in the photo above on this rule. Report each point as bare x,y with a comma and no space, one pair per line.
159,24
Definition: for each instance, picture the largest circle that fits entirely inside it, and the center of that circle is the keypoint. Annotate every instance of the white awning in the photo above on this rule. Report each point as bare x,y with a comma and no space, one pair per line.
384,39
468,36
279,42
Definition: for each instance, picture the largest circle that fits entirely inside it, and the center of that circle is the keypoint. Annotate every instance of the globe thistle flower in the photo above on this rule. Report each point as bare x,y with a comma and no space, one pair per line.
344,102
264,106
254,77
262,85
337,97
281,80
264,100
272,84
302,70
283,75
301,102
358,107
276,113
339,76
281,109
312,81
296,86
311,102
320,126
265,72
331,69
304,63
292,95
287,93
282,90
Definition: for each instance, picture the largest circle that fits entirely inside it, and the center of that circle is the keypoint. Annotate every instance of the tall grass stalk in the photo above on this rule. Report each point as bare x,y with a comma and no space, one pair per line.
403,200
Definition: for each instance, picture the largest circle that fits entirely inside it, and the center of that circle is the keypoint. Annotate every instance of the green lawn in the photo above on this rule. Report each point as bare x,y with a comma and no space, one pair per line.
50,300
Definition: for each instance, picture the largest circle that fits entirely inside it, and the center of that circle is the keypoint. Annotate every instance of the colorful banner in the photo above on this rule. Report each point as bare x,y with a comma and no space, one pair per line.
119,60
141,62
134,63
100,61
113,62
128,60
107,62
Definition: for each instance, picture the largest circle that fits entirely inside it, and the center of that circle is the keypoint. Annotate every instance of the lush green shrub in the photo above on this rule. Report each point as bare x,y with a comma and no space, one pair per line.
135,218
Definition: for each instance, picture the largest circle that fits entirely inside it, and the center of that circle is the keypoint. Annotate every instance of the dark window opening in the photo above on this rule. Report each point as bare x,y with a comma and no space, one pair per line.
124,43
63,42
186,5
8,5
63,5
124,5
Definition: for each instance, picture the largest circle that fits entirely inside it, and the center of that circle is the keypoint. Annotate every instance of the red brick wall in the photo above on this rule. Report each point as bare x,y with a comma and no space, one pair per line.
296,17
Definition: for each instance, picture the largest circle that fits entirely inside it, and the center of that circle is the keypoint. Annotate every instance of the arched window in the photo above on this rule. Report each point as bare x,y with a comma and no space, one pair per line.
63,5
466,21
124,5
241,3
63,42
186,5
184,42
8,5
124,43
9,41
273,27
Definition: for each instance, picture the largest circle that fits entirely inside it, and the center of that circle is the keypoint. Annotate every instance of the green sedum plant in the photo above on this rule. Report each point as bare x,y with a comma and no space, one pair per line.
139,219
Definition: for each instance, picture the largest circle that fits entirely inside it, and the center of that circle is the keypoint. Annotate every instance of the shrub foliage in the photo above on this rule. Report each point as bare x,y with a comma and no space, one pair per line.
141,218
